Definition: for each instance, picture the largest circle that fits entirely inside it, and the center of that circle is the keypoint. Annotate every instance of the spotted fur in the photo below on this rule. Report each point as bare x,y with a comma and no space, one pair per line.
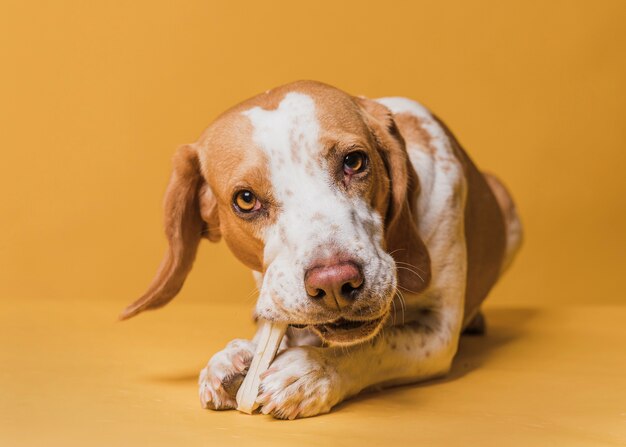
417,222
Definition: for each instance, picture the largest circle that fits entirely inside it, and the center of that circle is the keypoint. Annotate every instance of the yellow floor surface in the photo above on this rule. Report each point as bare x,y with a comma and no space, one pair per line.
71,375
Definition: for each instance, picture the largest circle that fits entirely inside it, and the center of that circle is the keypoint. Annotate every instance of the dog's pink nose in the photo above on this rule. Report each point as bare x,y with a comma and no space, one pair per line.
334,285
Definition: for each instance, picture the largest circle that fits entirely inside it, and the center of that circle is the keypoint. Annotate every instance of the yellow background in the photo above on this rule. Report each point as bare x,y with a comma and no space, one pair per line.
96,96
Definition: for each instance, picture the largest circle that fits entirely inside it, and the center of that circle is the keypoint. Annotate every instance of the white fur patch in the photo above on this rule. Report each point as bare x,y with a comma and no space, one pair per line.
316,219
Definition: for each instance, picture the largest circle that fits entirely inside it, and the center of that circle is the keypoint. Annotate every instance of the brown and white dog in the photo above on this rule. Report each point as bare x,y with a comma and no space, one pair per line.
367,227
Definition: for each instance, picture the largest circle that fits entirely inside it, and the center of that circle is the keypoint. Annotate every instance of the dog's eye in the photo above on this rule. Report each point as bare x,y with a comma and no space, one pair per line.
246,202
354,162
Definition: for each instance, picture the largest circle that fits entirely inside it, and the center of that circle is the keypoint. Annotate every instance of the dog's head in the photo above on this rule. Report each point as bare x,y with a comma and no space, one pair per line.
311,188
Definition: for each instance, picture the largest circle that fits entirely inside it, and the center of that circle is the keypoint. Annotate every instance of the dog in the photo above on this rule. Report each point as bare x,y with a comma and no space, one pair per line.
368,230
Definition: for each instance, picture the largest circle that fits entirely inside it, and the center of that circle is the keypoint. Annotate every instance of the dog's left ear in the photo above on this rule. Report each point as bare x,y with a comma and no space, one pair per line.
401,233
190,214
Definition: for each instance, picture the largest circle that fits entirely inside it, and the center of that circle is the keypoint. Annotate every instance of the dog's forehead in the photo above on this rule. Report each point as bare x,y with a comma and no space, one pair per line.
291,130
304,117
335,111
286,127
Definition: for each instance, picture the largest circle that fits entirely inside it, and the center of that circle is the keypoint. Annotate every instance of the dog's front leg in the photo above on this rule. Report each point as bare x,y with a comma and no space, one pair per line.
307,380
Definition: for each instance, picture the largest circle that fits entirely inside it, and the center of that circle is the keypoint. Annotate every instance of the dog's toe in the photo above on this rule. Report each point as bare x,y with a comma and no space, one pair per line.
299,384
220,380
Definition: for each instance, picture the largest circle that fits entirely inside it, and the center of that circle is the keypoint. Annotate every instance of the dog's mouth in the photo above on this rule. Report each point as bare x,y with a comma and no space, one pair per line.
344,331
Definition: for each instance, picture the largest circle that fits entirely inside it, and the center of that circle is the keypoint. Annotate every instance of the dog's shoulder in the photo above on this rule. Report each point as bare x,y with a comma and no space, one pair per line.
432,154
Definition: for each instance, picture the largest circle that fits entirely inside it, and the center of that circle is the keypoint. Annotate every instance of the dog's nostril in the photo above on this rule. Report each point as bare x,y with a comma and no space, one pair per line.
319,293
348,290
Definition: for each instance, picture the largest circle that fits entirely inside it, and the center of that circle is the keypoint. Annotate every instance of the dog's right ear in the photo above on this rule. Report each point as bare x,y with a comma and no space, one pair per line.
401,231
190,214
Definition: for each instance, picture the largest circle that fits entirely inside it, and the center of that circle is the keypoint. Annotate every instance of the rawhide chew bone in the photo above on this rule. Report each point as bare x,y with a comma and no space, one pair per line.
269,336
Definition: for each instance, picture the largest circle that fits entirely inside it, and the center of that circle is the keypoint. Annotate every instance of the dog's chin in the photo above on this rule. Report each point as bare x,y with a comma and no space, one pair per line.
349,332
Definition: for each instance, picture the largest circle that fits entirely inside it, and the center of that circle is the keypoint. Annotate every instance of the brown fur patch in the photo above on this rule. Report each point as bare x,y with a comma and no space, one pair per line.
228,168
485,235
413,131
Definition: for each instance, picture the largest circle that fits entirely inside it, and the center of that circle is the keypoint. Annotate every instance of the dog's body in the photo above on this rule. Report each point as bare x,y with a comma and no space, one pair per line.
378,263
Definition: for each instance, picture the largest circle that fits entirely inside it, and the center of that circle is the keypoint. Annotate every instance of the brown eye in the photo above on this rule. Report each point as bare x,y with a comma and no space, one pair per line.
354,162
245,201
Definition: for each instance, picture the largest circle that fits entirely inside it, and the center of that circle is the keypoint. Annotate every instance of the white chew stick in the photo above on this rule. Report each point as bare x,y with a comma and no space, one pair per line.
268,337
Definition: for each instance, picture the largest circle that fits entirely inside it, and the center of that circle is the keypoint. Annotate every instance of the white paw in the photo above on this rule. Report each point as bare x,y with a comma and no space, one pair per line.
301,382
221,378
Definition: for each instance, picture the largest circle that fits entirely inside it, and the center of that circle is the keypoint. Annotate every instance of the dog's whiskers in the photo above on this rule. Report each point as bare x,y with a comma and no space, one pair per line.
395,251
405,263
406,290
411,265
412,271
402,302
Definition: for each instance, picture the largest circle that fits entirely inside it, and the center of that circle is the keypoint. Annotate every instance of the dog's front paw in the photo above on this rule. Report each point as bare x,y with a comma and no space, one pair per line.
301,382
221,378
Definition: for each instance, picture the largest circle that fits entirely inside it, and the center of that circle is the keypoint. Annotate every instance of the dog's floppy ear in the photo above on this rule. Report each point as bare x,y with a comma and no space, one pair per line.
190,214
401,232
